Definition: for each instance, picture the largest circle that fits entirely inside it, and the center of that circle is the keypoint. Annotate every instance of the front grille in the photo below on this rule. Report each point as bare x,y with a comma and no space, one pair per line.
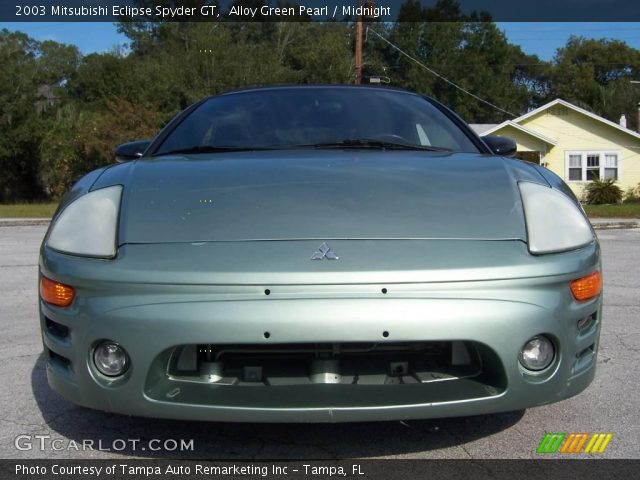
326,363
325,375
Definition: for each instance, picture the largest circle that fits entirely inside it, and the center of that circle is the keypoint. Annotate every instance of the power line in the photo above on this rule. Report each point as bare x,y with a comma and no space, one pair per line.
550,63
559,36
563,27
433,72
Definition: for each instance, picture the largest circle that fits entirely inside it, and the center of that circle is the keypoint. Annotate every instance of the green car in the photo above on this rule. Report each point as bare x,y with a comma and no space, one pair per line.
319,254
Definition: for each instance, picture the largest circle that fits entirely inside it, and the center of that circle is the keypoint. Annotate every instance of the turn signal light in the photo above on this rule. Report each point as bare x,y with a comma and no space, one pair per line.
586,288
56,293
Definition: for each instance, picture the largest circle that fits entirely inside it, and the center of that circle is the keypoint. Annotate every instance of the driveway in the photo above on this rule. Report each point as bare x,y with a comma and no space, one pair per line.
28,407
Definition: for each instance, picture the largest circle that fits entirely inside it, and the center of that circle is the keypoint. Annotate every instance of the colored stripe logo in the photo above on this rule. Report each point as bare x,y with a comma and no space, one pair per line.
574,443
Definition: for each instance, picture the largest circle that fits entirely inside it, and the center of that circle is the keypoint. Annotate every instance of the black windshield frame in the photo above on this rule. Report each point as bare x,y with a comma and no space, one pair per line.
458,122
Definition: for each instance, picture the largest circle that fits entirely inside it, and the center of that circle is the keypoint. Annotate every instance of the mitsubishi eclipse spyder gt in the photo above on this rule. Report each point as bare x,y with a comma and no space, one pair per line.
319,254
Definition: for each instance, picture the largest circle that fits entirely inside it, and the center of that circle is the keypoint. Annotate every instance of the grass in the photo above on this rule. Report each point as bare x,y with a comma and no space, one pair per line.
620,210
28,210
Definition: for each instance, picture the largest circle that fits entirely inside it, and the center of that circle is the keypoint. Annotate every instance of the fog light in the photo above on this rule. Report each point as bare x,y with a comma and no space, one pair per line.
537,354
110,359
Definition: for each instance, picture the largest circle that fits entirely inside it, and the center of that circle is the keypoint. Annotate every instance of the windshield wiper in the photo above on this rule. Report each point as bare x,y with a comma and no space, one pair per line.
209,149
374,144
348,143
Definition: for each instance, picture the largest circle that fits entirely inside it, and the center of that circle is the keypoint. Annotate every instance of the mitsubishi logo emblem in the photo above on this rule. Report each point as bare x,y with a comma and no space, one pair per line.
324,251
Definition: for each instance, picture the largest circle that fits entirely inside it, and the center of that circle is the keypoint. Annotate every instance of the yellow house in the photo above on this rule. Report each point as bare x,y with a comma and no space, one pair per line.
574,143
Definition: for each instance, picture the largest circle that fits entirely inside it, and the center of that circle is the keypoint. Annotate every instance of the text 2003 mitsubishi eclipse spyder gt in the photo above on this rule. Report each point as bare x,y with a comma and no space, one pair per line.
319,254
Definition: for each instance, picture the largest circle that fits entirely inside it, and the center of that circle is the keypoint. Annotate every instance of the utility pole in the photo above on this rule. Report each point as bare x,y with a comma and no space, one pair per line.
358,55
638,124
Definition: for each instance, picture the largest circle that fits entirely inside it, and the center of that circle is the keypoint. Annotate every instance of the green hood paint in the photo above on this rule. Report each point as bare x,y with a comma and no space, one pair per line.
319,195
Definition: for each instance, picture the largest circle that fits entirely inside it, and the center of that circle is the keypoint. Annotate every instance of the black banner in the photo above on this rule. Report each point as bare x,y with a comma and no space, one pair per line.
116,469
320,10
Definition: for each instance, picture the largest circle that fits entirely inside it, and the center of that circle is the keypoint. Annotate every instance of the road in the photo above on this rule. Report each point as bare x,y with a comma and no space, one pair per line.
29,407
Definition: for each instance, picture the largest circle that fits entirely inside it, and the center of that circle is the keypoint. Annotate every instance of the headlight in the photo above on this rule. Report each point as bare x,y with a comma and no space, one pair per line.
554,222
88,225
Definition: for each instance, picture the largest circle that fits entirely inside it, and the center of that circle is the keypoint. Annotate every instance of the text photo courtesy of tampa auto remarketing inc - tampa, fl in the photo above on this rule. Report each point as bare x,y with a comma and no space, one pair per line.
319,238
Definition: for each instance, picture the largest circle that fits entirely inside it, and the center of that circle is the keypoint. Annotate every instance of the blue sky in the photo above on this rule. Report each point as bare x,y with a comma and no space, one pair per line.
545,37
537,38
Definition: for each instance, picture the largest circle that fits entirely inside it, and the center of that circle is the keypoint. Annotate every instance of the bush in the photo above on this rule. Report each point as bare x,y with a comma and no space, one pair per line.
600,192
632,195
82,140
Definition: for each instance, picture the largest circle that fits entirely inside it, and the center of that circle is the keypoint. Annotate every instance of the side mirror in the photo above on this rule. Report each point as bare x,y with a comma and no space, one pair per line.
131,151
503,146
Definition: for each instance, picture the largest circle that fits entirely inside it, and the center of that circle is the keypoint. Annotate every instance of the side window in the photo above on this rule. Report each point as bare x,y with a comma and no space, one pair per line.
422,136
437,135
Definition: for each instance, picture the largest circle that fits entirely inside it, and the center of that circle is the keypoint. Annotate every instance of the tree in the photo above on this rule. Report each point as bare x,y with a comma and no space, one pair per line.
62,114
470,51
319,53
596,74
34,76
82,140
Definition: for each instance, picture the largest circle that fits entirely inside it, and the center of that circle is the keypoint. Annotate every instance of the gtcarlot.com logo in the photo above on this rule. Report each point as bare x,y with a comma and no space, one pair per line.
574,443
46,442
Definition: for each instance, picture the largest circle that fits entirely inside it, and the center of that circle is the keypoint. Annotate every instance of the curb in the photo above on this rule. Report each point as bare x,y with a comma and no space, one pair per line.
23,222
615,225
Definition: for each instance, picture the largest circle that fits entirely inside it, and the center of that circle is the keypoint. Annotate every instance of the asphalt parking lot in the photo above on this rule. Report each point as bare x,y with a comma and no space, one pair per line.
29,407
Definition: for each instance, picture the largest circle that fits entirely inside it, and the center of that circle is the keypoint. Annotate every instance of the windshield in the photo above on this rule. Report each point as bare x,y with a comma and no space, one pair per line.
316,117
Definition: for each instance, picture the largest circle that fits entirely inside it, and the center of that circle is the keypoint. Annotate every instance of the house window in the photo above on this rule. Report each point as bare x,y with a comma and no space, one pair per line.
611,166
593,166
575,167
588,166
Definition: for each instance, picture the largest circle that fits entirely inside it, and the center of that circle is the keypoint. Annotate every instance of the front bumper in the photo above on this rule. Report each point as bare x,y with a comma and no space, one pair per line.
499,313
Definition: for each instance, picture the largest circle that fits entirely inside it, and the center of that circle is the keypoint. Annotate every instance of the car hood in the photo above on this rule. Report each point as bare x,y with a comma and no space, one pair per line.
320,195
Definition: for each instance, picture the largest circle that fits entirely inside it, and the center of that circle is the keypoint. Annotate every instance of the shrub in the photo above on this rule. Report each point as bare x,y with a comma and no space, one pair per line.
82,140
632,195
599,192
